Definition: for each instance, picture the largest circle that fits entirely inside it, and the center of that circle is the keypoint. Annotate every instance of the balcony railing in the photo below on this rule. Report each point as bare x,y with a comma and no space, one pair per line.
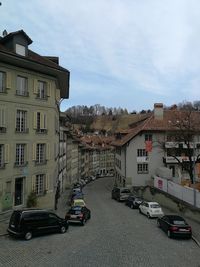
170,159
142,159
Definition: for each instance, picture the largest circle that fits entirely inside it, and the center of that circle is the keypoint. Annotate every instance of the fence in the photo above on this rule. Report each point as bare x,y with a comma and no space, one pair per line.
184,193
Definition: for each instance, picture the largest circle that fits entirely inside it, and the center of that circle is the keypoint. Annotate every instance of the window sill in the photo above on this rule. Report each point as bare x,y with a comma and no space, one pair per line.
17,165
25,94
41,131
22,132
40,163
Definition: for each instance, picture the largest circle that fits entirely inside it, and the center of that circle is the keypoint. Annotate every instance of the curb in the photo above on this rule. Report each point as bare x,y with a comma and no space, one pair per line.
196,241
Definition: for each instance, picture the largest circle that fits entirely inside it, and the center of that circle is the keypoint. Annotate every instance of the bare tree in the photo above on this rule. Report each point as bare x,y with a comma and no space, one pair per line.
182,130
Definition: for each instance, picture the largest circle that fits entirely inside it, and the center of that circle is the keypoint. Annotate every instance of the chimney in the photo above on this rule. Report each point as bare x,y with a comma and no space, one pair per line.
158,111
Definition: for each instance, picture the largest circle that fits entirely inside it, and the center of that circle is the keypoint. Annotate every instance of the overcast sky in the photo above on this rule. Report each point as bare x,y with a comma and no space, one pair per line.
127,53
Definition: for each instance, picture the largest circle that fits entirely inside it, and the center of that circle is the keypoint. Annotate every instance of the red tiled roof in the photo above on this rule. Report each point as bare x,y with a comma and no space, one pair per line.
165,124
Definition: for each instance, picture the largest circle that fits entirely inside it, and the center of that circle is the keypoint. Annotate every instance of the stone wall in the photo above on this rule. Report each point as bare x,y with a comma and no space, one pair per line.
169,202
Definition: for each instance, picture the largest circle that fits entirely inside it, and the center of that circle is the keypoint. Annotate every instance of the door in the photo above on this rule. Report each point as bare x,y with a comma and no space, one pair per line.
19,191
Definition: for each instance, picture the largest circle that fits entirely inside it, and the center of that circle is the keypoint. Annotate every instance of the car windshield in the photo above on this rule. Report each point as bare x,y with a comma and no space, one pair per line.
154,206
178,222
127,191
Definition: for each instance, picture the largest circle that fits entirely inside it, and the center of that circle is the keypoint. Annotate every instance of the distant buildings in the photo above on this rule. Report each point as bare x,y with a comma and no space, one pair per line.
157,142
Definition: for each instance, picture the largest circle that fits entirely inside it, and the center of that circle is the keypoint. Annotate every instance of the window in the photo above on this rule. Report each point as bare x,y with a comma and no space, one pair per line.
1,156
40,184
142,153
40,154
148,137
20,50
2,82
21,121
142,168
22,86
20,155
42,90
40,122
2,119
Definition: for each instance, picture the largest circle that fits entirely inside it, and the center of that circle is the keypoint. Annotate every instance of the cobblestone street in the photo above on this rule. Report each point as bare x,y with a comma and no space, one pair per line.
115,236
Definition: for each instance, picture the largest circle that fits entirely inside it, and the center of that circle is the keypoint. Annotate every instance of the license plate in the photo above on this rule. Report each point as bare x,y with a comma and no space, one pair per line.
12,225
73,216
183,230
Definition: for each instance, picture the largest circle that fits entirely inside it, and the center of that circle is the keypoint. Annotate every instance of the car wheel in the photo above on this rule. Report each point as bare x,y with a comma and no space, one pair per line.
63,229
158,224
148,216
169,234
132,206
140,211
89,216
28,235
83,222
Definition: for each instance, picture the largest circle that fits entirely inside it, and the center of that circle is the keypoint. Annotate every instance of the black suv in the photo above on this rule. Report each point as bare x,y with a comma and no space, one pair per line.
28,222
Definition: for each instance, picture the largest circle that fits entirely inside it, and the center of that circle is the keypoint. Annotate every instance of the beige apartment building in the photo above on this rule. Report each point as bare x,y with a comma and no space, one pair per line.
30,89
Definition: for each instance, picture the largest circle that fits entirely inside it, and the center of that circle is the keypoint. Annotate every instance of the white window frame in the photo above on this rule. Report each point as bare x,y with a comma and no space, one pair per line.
42,89
142,168
2,82
2,155
21,120
22,85
40,153
40,184
20,50
20,154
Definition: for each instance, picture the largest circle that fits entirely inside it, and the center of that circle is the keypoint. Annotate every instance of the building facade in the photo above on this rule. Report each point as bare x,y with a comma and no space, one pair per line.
30,88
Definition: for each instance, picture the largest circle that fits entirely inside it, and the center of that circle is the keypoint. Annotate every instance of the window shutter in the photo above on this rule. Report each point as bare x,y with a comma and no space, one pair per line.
2,116
7,153
49,89
8,80
35,120
33,183
48,151
57,94
34,151
44,121
35,86
47,182
41,120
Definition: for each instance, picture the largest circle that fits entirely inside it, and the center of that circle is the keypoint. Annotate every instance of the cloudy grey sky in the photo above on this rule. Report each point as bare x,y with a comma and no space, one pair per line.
127,53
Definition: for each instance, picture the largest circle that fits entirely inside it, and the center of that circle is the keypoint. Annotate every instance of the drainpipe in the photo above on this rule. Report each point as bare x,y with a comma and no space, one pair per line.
125,166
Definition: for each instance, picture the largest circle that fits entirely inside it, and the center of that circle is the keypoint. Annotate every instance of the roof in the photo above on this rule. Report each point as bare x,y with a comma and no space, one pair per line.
152,124
35,62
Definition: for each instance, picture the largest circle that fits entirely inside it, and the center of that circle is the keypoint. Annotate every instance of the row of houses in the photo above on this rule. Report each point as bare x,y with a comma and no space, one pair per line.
166,144
39,152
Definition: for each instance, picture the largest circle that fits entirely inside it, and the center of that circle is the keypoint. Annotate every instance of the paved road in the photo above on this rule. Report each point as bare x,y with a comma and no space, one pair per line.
115,236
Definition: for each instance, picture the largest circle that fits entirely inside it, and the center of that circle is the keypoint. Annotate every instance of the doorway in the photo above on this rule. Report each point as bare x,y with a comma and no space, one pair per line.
19,191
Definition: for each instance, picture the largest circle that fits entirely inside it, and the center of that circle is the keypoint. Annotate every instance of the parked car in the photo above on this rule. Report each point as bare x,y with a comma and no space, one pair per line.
30,222
133,201
78,202
175,226
78,214
120,193
151,209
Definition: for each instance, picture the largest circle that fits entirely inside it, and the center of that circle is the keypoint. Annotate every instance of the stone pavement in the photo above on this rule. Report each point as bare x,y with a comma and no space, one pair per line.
63,206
